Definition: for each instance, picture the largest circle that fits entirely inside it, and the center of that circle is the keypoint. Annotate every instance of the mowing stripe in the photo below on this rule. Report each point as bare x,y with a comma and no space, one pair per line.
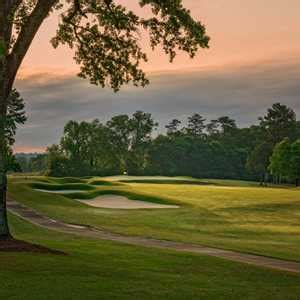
38,219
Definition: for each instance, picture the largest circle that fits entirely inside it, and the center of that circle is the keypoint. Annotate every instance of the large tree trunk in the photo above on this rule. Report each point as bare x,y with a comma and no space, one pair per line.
4,229
10,62
4,32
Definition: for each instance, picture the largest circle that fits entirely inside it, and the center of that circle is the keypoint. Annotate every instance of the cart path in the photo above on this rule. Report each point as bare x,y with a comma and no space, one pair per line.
36,218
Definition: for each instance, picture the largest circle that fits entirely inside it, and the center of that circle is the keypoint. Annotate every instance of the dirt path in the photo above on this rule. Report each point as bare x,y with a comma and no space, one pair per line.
32,216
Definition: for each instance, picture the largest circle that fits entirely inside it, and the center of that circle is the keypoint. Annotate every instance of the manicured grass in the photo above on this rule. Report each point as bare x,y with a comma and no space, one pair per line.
105,270
166,181
238,215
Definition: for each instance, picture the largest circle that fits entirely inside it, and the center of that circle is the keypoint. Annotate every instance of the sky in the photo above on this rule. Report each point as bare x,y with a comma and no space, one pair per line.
253,61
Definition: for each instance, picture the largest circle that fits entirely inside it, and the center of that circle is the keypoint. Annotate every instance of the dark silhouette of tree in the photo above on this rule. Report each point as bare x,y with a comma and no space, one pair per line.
258,160
141,127
119,131
278,123
126,143
173,127
222,125
196,125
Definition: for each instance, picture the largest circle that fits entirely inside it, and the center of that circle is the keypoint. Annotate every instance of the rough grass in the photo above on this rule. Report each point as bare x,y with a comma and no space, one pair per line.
64,180
95,270
243,217
102,182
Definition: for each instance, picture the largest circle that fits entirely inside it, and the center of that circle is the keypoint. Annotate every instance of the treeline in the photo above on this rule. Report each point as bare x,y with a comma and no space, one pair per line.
32,162
199,148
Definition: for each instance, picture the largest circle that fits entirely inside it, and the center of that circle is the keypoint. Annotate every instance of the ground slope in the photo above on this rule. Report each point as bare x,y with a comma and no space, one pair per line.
105,270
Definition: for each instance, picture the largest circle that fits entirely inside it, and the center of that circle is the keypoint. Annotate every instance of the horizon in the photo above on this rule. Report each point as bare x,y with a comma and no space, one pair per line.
235,77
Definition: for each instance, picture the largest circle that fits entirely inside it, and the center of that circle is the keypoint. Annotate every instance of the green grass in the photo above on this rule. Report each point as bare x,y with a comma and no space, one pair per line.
232,215
60,187
102,182
165,181
95,270
67,180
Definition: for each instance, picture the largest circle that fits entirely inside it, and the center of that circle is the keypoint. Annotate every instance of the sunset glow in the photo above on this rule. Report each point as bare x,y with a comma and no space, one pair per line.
243,33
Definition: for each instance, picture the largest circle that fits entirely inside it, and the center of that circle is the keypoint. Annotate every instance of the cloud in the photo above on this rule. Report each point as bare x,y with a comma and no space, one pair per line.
243,93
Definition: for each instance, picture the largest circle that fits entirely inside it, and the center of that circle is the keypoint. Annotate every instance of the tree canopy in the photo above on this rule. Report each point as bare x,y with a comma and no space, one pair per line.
187,148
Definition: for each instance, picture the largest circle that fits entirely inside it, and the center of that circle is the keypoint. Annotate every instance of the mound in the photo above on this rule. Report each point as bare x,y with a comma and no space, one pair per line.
102,182
61,187
68,180
121,202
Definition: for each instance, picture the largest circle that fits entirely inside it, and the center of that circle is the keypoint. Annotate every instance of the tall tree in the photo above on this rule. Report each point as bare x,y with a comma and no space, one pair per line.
38,163
258,160
173,127
280,161
98,150
196,125
295,161
57,161
120,131
141,126
278,123
76,145
105,36
222,125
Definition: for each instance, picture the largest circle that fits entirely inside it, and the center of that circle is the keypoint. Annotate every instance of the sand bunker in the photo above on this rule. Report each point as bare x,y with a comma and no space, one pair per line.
120,202
59,191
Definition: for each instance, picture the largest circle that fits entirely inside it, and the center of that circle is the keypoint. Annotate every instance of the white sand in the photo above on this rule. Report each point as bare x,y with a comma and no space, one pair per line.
59,191
120,202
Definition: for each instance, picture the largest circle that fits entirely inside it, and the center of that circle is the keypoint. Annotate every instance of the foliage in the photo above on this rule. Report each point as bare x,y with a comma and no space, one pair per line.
215,149
196,125
121,145
258,160
279,123
172,127
280,161
15,116
106,37
295,161
285,160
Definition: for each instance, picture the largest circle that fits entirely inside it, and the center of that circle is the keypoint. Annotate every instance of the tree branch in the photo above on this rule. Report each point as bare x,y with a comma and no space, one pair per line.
14,4
27,34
